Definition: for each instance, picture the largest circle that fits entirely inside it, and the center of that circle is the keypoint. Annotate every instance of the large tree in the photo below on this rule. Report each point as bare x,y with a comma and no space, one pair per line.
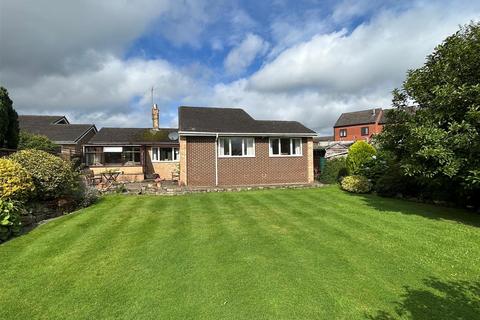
8,121
433,131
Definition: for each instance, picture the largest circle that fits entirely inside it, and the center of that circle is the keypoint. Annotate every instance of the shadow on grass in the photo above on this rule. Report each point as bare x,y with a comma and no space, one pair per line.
429,211
438,300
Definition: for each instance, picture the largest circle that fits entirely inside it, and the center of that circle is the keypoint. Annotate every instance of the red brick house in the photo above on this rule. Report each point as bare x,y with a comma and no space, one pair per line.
359,125
211,147
226,146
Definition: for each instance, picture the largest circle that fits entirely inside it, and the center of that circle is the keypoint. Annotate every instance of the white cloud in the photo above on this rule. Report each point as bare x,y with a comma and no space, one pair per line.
314,81
242,56
117,92
376,53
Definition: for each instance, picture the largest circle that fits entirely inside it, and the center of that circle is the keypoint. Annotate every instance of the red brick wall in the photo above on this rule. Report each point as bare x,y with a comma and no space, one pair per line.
354,132
261,169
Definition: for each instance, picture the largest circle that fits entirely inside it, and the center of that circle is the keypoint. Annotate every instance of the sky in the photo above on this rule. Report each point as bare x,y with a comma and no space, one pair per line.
304,60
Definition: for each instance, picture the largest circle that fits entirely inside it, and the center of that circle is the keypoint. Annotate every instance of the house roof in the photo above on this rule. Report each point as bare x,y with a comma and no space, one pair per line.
122,136
358,117
234,121
323,138
64,133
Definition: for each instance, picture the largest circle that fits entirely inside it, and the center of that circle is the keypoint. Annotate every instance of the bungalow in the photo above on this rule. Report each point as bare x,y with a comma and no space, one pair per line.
70,137
212,147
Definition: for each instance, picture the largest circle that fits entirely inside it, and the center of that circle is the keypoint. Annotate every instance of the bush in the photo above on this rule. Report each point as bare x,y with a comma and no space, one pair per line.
52,176
356,184
86,195
15,182
335,169
36,142
10,225
358,154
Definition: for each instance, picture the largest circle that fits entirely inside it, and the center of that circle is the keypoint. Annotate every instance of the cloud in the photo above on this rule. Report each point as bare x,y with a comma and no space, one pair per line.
374,53
242,56
117,92
315,80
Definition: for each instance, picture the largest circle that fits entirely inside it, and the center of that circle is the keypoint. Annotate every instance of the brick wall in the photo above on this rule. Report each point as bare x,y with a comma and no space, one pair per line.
354,132
261,169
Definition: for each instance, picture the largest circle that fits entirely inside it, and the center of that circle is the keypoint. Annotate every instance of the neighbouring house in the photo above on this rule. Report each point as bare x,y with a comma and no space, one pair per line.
226,146
70,137
211,147
359,125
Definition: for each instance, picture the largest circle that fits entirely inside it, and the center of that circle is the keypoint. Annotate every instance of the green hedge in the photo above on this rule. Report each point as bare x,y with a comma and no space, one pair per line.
334,171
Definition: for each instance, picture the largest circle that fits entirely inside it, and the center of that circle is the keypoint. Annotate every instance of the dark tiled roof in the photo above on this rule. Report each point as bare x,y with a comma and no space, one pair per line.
134,136
324,138
58,133
233,120
31,120
358,117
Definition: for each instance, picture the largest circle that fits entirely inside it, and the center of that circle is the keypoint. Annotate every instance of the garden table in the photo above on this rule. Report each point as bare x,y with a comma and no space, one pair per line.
110,178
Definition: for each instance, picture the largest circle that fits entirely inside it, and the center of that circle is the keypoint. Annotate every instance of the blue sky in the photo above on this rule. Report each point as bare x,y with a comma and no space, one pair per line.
298,60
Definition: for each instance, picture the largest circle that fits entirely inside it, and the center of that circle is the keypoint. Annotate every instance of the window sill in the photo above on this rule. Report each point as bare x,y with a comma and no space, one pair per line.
234,157
165,161
286,156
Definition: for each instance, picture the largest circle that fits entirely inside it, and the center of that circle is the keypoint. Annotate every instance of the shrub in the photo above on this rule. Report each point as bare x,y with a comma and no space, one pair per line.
15,182
335,169
86,195
10,225
356,184
358,154
52,176
37,142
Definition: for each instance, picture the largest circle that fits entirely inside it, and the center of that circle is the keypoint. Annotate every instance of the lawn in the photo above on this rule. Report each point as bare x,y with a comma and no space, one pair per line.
276,254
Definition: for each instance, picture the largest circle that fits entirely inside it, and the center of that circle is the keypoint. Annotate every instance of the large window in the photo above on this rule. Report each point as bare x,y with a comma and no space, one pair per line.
120,156
285,147
236,147
93,156
165,154
364,131
343,133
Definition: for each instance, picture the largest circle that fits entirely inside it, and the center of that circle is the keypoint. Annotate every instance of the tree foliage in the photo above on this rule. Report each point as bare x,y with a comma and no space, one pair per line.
433,131
37,142
359,153
8,121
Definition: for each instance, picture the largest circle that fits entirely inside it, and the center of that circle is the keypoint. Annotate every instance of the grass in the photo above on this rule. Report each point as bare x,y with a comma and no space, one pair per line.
277,254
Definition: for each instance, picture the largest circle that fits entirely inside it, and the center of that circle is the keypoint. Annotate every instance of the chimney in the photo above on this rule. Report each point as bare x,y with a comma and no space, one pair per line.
155,116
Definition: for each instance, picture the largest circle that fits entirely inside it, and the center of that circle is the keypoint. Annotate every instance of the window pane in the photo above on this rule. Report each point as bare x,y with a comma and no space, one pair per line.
285,146
113,157
166,154
236,146
364,131
248,146
175,154
155,154
296,146
224,147
274,146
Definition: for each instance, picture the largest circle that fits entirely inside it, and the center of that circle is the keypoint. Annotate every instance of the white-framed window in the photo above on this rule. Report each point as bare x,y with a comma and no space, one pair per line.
364,131
343,133
236,147
285,147
165,154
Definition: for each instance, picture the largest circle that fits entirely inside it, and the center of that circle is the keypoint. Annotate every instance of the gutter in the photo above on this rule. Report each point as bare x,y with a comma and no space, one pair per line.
216,160
260,134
